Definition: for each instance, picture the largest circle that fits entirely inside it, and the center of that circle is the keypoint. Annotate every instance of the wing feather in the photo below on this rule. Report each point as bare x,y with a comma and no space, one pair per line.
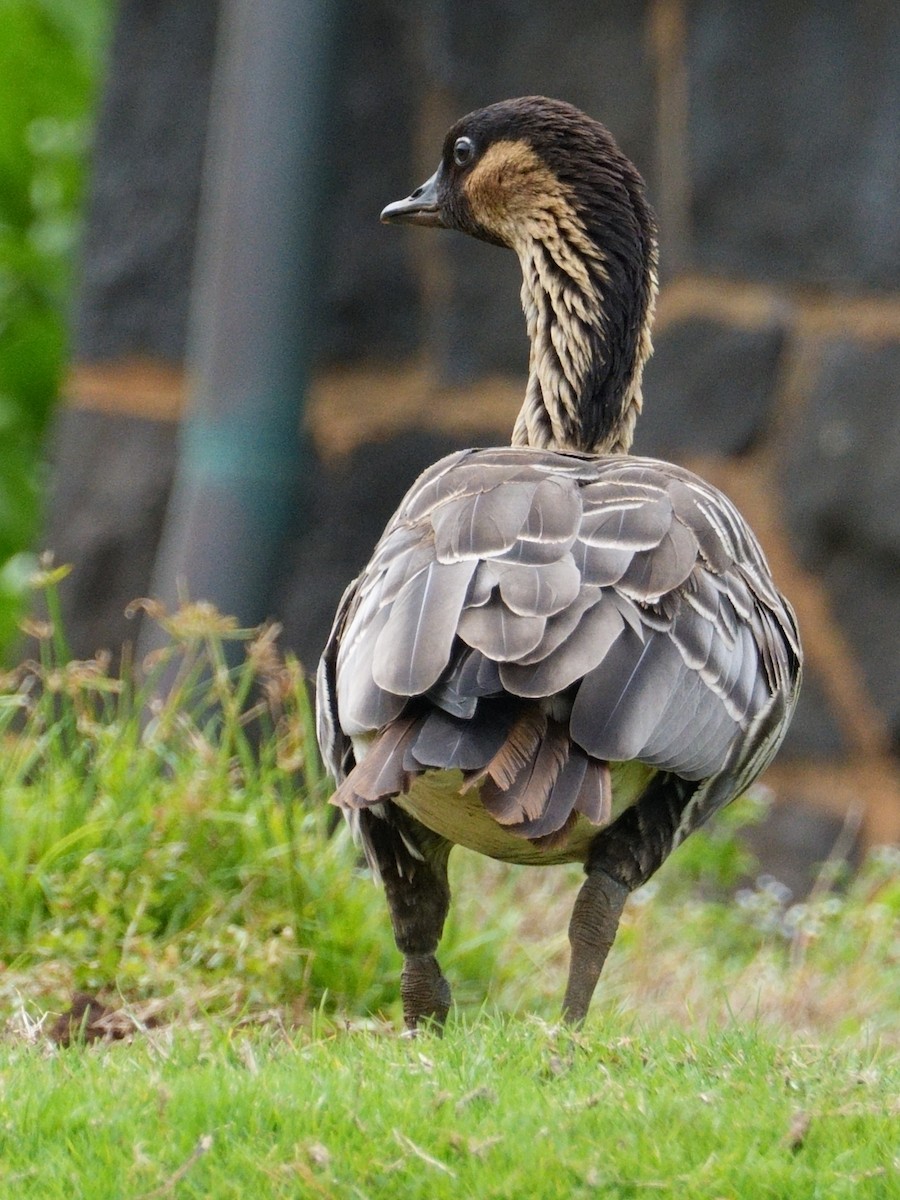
361,704
448,742
483,523
540,590
601,566
621,701
554,514
628,525
499,633
412,649
561,626
653,573
578,654
469,678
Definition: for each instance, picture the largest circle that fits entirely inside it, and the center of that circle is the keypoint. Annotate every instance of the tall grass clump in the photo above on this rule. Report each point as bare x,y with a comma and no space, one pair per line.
152,834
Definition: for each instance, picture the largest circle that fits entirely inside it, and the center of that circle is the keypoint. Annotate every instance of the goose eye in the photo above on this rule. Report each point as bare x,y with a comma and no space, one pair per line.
463,151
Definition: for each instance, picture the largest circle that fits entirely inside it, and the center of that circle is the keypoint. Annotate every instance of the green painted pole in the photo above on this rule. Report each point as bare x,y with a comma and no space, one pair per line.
242,459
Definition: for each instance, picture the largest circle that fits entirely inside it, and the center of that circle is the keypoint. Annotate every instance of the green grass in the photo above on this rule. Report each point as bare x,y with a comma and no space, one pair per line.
498,1108
172,854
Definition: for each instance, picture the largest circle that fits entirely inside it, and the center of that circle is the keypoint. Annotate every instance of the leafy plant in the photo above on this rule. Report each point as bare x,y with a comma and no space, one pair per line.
50,52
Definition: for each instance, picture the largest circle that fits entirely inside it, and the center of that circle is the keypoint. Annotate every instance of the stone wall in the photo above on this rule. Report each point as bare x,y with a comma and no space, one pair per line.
769,138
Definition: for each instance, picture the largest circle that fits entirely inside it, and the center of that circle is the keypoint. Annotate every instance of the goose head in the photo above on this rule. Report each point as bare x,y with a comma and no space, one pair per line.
544,179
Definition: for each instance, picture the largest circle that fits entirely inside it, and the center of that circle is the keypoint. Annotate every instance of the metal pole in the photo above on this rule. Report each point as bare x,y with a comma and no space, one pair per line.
242,458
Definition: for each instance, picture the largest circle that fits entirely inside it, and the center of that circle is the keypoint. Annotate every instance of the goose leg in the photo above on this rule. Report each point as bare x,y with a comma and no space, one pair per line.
621,858
418,905
592,930
418,898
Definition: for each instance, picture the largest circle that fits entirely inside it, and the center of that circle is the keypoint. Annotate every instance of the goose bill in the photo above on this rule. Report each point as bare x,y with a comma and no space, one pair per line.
420,208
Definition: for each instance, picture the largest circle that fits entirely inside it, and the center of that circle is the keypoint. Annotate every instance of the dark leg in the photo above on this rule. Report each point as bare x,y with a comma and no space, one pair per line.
418,897
592,930
621,858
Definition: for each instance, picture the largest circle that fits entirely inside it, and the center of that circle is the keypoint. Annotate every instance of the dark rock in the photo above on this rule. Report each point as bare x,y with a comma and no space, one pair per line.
843,461
138,248
708,389
814,732
593,55
371,293
793,841
111,480
795,141
841,473
865,594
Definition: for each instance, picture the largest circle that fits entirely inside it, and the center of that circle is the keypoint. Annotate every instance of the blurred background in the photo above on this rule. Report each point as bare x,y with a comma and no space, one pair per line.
219,373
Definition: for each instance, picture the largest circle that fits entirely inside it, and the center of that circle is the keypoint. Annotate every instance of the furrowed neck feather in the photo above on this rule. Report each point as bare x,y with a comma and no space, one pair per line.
588,303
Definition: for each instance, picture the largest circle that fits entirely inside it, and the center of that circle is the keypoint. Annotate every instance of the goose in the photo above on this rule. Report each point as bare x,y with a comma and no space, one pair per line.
558,652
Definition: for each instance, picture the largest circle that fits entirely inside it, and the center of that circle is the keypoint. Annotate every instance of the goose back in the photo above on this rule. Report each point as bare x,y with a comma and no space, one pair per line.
624,598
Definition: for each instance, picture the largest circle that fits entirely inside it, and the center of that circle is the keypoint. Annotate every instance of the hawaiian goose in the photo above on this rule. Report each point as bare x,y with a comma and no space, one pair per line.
557,652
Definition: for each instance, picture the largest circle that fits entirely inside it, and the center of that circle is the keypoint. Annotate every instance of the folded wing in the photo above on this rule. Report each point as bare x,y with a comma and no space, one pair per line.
623,597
